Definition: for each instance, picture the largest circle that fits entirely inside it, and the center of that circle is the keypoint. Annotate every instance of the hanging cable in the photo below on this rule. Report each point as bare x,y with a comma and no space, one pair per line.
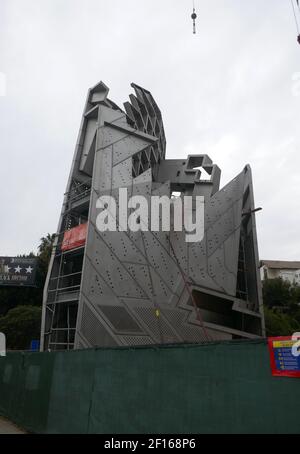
194,17
295,16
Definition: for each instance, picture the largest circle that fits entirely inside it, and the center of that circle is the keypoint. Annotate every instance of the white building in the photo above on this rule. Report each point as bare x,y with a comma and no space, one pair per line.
290,271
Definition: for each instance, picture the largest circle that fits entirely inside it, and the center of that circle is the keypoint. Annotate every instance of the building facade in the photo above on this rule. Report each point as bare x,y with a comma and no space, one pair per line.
117,288
289,271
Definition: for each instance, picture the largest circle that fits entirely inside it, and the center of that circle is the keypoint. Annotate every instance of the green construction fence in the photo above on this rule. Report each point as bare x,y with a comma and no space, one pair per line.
221,387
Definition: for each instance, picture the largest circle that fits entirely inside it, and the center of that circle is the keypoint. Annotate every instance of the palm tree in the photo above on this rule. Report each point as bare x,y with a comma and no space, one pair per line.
45,247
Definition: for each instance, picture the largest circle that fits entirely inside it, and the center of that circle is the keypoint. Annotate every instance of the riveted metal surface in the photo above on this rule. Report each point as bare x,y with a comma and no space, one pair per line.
147,272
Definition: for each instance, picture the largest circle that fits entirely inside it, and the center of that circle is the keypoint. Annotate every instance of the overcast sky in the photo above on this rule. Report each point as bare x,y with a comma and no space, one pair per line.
227,91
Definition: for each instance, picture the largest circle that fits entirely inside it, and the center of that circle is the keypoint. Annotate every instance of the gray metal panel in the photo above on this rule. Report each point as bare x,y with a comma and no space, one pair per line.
132,290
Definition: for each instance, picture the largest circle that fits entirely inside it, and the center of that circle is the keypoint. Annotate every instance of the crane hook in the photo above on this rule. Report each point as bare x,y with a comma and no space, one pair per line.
194,17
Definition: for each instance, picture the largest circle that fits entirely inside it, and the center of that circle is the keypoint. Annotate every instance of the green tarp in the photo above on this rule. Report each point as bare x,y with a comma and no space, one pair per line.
223,387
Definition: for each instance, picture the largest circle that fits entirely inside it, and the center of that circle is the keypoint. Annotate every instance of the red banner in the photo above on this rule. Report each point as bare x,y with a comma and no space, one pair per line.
74,238
283,362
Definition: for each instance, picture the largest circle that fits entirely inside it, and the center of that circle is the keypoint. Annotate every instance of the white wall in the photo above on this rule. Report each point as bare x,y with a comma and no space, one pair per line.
288,275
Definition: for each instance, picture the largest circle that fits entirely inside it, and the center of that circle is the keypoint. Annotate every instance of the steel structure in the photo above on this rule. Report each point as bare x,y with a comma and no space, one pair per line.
125,288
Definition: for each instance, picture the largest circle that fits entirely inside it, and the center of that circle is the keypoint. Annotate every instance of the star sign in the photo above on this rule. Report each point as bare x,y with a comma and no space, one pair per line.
18,269
29,269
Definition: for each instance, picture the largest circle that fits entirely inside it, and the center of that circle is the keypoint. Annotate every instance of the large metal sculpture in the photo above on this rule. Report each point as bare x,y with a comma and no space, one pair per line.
138,288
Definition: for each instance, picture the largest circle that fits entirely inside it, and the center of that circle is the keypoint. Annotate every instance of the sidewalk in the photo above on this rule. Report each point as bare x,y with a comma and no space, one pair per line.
9,428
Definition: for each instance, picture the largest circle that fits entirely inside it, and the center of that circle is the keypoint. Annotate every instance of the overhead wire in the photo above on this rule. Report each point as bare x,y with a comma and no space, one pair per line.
194,17
295,15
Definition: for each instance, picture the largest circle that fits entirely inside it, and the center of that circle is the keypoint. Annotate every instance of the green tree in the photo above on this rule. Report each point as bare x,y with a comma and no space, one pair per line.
21,325
45,247
278,324
282,307
20,307
276,293
45,250
11,297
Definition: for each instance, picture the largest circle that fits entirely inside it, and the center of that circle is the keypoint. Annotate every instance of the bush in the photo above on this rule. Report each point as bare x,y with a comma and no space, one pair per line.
21,325
278,324
281,307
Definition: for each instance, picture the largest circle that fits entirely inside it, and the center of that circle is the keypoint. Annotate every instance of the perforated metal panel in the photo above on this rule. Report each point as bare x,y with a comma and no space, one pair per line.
147,287
93,330
121,320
